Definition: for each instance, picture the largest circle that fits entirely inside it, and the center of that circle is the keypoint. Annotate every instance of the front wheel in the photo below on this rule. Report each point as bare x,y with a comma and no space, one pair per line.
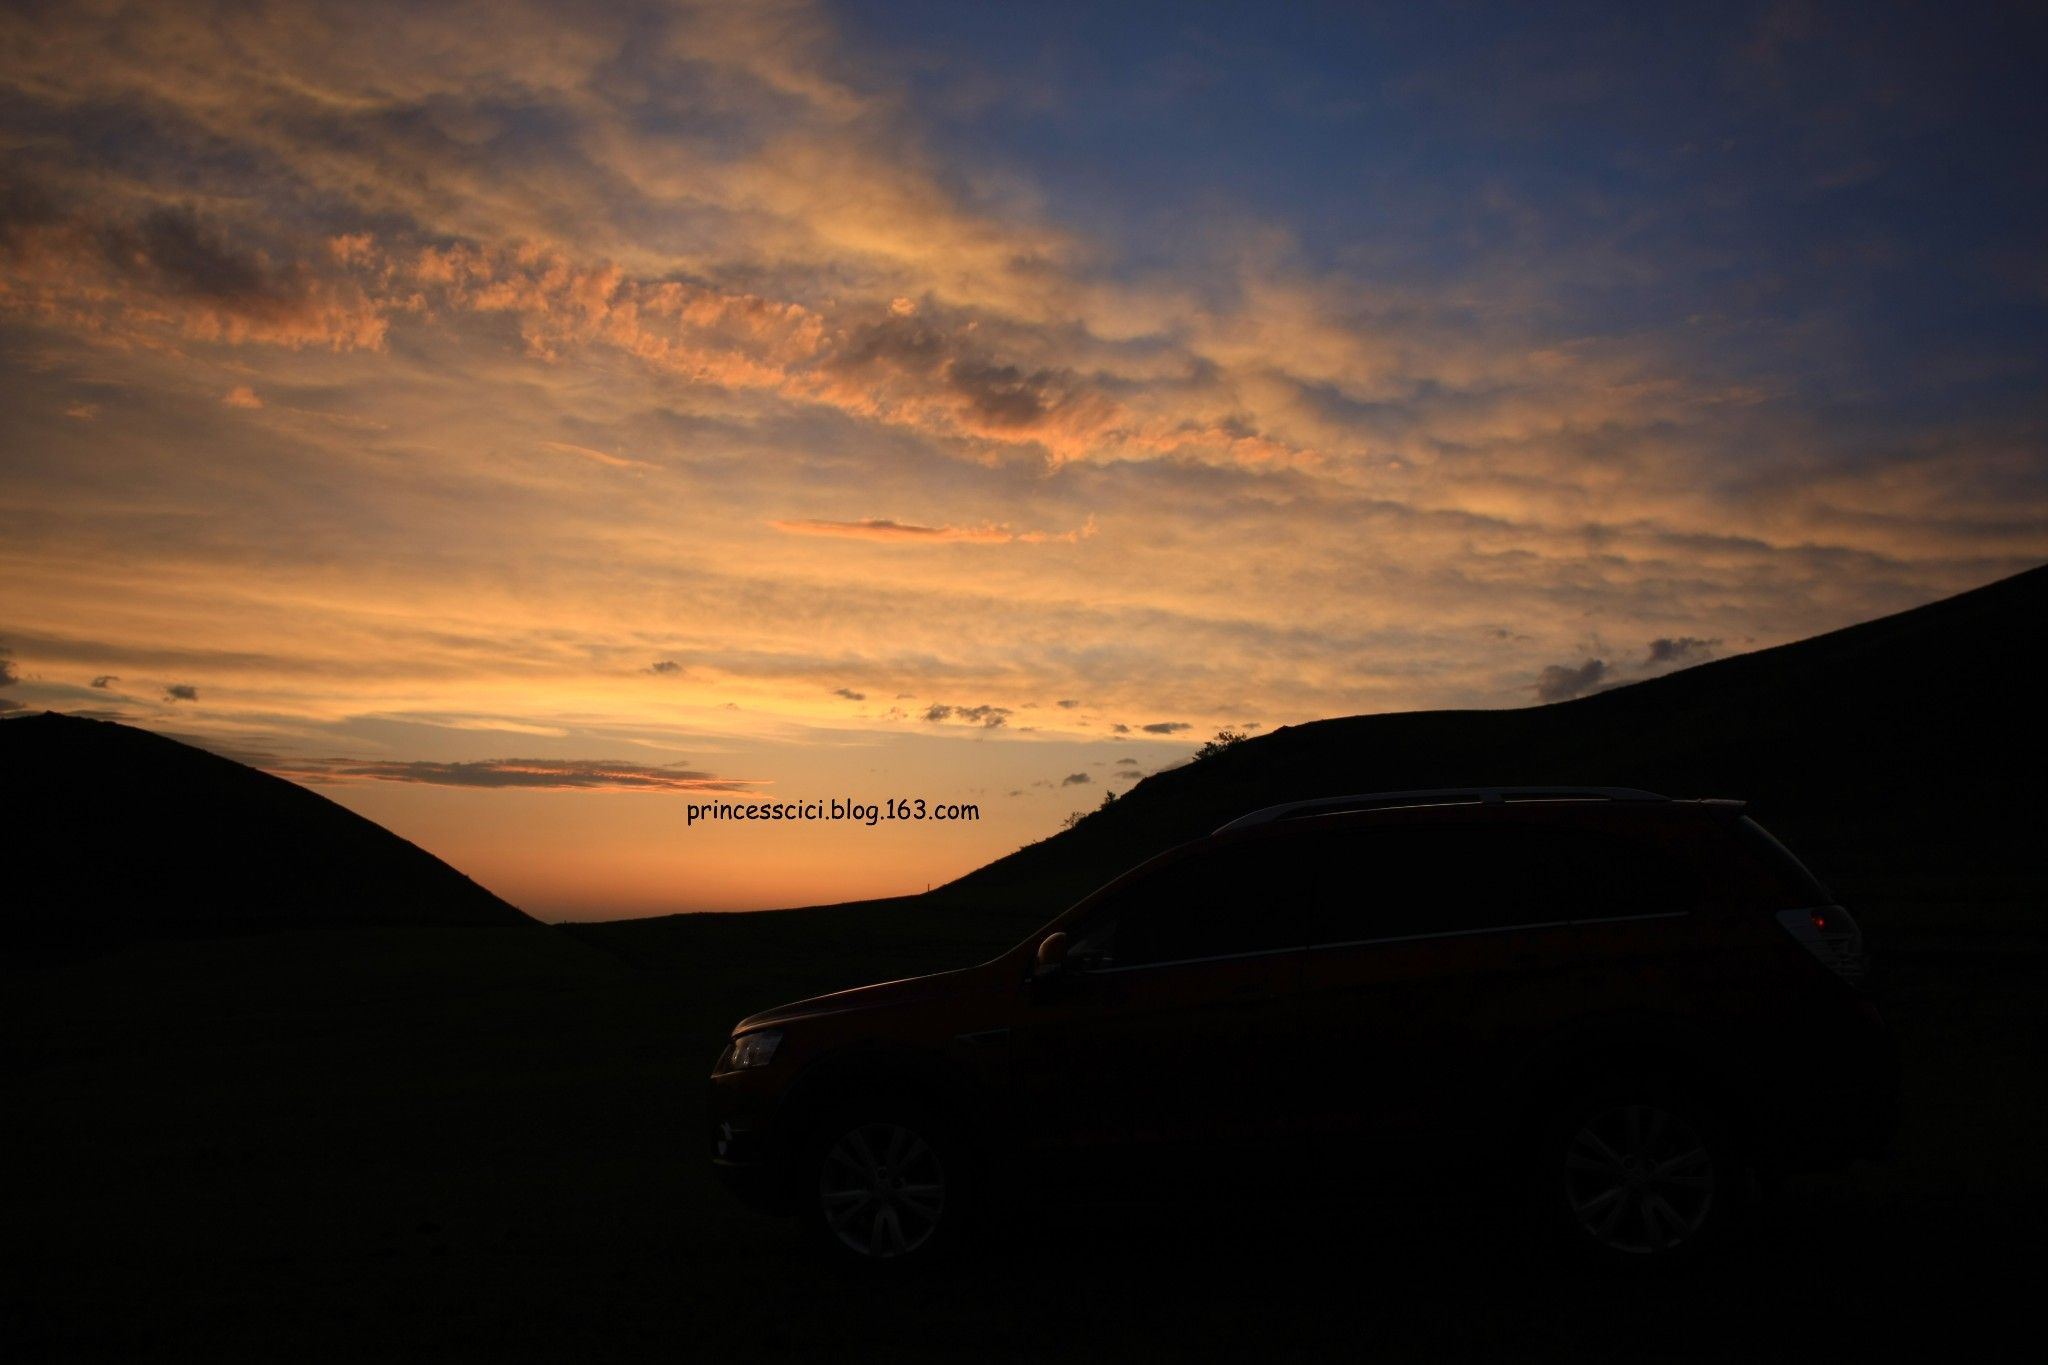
1638,1175
886,1187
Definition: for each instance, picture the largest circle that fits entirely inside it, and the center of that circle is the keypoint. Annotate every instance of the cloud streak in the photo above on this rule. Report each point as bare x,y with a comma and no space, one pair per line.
884,530
529,774
876,528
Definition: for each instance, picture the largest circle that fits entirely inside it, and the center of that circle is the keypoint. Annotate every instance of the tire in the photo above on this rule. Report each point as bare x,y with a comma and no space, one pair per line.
1637,1176
886,1186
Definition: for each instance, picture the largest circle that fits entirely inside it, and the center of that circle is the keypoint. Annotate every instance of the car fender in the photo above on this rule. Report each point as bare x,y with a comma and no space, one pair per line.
882,1071
1629,1046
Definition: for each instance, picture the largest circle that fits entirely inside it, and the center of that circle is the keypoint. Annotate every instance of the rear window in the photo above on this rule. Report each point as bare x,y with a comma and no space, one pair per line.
1601,875
1762,874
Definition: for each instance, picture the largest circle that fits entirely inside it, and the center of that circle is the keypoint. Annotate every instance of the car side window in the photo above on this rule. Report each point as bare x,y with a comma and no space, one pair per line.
1394,882
1223,902
1605,876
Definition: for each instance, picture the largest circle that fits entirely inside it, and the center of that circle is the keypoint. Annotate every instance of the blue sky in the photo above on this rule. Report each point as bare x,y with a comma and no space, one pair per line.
1869,168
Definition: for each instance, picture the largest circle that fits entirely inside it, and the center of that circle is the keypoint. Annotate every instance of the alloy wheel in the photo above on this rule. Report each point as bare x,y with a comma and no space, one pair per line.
1639,1179
882,1190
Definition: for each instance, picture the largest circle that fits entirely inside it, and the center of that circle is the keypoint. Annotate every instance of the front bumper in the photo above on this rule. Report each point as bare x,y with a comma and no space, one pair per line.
747,1153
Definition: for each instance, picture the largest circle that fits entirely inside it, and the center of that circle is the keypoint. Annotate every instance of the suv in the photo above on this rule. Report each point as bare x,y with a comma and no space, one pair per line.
1618,1007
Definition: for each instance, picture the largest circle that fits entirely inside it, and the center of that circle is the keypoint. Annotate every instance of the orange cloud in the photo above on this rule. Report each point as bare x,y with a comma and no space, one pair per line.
168,273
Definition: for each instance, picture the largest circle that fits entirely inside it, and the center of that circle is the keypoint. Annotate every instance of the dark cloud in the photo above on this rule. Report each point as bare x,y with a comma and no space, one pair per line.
1120,728
105,680
1127,763
1001,396
906,344
24,206
664,666
1067,703
1561,682
1167,727
181,692
173,250
528,773
1075,780
849,694
189,257
988,716
1004,395
1684,649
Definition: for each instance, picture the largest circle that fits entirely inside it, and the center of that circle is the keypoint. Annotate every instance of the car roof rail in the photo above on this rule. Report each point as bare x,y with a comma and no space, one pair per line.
1434,796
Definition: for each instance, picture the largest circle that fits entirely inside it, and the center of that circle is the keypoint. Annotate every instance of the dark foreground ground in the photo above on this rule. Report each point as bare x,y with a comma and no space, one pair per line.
483,1144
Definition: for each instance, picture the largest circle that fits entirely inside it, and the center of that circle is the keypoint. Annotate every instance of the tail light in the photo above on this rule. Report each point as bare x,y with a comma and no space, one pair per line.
1830,933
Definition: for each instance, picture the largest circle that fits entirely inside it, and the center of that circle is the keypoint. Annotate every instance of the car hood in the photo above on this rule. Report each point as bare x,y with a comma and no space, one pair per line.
915,990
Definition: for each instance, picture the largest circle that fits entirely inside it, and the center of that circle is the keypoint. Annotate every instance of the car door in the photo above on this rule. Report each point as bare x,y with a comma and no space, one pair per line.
1422,953
1162,1031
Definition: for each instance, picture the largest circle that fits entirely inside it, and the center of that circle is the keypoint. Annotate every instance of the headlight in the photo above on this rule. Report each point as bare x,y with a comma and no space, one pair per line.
750,1050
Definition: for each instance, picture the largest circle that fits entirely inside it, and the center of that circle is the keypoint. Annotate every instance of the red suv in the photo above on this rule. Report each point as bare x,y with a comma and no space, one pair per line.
1619,1006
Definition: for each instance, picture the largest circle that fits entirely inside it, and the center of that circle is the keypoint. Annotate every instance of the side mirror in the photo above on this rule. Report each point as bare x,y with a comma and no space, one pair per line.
1052,955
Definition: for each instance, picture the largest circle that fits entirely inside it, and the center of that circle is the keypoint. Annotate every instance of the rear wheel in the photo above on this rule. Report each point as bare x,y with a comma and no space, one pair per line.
1638,1175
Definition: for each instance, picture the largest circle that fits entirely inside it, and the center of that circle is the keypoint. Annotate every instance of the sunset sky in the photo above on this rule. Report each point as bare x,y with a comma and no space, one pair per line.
522,420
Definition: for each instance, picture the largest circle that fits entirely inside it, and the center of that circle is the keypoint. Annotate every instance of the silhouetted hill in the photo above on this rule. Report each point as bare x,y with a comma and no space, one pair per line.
1901,757
116,831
